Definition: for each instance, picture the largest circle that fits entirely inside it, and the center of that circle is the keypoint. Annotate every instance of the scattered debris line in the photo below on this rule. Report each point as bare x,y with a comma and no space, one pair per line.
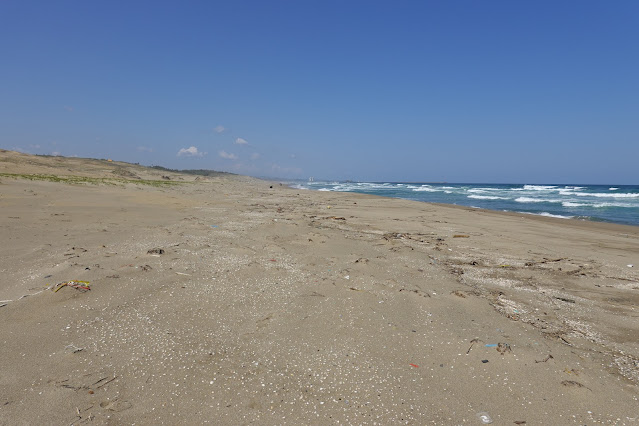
77,284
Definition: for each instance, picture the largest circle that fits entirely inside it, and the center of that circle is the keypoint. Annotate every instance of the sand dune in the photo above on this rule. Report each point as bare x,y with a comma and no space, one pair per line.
222,300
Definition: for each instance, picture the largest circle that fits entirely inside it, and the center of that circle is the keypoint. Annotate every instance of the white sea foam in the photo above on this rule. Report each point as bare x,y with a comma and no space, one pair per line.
607,195
626,205
325,189
426,189
540,187
535,200
599,205
487,197
612,189
297,186
546,214
554,215
483,190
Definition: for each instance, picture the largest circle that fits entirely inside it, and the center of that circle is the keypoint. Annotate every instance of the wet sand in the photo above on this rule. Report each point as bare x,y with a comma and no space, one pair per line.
222,300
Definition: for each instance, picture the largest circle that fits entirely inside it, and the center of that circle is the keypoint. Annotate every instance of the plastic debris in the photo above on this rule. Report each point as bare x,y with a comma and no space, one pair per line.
491,345
414,365
484,417
77,284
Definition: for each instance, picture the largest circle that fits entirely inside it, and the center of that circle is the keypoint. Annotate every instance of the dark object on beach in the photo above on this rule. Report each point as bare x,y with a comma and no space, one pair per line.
572,383
502,348
520,422
271,186
156,251
565,300
545,359
461,236
146,268
472,342
484,361
166,178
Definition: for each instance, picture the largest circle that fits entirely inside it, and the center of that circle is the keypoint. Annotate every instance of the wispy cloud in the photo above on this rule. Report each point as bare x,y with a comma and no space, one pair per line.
190,152
240,141
255,156
228,155
219,129
147,149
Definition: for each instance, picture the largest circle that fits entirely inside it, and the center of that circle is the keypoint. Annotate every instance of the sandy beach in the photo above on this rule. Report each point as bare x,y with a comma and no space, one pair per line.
231,300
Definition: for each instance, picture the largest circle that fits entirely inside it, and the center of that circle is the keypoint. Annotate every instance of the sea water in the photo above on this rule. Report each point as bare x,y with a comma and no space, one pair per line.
604,203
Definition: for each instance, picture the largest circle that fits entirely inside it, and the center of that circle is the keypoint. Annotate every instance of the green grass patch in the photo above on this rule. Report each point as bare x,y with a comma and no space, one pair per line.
81,180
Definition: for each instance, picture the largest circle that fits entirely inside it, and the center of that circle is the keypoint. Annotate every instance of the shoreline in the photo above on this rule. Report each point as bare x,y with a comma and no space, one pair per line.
225,301
595,203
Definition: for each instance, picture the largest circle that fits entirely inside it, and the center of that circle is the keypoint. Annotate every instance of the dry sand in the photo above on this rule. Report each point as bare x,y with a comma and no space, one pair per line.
279,306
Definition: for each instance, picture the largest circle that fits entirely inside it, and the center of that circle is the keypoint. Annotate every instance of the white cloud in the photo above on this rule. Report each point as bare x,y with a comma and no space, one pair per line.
219,129
240,141
190,152
255,156
228,155
147,149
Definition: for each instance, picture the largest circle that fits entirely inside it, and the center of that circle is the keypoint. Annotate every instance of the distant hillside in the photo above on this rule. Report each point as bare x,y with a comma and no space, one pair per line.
198,172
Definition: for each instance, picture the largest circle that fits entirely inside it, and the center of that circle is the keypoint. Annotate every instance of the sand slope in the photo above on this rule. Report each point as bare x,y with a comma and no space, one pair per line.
278,306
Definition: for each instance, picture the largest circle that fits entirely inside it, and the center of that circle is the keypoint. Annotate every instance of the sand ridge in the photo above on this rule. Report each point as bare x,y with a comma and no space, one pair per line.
230,300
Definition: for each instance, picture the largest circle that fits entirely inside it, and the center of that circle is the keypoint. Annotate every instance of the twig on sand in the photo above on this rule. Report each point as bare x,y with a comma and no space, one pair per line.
472,342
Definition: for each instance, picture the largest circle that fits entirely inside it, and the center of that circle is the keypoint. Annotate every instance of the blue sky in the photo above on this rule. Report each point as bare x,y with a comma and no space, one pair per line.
457,91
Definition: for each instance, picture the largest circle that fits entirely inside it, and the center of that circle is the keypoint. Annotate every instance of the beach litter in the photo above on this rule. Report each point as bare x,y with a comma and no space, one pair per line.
472,342
484,417
549,357
155,251
73,348
77,284
414,365
502,348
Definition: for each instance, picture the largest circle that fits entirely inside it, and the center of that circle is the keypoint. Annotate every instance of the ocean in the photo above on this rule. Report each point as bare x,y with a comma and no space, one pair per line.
601,203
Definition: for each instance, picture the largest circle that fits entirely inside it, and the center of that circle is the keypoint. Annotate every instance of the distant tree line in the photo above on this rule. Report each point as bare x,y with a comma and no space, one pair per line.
199,172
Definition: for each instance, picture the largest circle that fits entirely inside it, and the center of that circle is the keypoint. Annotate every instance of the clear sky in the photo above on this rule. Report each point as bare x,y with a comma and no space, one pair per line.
458,91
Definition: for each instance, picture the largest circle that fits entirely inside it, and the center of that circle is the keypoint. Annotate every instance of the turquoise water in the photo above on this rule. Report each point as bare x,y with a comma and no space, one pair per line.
604,203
